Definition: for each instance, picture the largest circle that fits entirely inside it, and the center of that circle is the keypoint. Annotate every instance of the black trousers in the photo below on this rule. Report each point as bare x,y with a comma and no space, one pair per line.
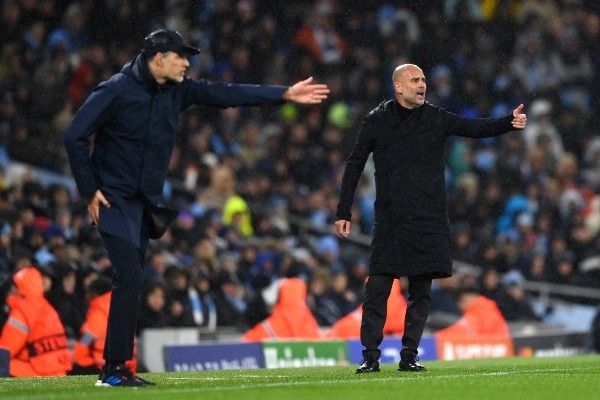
127,262
375,311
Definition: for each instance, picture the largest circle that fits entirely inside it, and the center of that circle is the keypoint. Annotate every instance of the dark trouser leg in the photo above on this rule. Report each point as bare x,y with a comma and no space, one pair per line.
79,370
374,313
419,302
127,262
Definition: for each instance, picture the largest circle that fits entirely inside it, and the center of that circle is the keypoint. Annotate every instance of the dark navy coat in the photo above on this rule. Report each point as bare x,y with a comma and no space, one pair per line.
135,121
412,234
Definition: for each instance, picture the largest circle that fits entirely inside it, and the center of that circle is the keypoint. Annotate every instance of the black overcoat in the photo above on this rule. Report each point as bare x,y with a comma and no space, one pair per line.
411,234
135,121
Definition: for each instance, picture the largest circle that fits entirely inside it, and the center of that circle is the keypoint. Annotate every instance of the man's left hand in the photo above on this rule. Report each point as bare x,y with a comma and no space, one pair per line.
306,92
520,120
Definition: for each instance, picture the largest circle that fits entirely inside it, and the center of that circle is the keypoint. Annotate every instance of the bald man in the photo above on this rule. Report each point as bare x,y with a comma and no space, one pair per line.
407,137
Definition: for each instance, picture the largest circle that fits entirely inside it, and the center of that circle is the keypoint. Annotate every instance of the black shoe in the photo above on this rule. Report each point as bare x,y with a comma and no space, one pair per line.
408,362
368,366
145,382
119,376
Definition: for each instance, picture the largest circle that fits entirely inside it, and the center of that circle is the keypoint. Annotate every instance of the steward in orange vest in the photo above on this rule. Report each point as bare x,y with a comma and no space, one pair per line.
348,327
291,317
88,352
33,333
481,318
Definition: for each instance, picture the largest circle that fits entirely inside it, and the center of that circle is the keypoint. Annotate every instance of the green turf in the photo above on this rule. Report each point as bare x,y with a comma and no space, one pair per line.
564,378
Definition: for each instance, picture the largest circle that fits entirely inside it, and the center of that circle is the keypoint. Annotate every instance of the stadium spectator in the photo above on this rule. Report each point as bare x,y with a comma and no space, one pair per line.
152,313
480,318
319,36
508,295
536,67
230,301
320,300
203,304
33,333
65,299
179,297
291,318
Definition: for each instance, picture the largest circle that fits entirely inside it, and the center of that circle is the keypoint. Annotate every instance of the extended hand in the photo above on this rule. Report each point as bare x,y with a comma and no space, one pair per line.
520,120
306,93
342,227
94,205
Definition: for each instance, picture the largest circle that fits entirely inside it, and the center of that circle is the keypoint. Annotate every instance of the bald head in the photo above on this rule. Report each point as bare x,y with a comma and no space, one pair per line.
403,71
409,85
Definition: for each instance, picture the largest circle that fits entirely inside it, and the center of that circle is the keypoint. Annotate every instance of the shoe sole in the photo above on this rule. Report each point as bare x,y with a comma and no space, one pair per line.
358,371
99,383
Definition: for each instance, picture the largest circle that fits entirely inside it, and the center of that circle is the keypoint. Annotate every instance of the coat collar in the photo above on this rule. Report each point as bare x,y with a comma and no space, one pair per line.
138,69
401,127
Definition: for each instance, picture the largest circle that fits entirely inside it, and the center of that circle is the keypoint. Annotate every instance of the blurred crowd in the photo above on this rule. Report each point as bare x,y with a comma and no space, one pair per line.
524,206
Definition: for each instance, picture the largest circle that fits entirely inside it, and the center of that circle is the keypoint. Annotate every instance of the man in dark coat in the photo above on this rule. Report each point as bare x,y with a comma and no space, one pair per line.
411,238
134,117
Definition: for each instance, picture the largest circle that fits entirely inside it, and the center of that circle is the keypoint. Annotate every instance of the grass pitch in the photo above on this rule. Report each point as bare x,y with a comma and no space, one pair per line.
564,378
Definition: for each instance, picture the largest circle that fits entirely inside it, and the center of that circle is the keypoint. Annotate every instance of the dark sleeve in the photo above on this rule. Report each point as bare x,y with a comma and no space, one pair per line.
230,95
477,127
97,109
354,166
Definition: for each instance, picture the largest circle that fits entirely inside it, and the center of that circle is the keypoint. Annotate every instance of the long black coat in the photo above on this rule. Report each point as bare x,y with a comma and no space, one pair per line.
135,122
412,234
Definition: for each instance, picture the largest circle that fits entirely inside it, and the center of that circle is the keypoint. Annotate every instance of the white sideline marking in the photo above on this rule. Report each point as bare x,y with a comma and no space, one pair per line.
397,378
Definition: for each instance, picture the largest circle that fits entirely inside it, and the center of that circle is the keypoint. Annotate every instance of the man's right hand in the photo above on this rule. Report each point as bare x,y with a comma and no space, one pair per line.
343,227
94,206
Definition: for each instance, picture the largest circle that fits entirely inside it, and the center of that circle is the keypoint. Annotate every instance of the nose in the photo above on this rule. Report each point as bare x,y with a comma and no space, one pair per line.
186,62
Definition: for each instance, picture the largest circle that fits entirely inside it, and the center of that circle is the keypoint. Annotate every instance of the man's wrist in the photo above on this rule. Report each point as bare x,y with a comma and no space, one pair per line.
287,95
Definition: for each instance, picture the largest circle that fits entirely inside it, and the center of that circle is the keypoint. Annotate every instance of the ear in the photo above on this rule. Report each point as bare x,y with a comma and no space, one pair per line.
398,87
158,59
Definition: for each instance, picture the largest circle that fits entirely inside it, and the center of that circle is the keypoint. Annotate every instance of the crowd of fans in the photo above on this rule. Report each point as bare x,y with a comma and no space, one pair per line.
524,206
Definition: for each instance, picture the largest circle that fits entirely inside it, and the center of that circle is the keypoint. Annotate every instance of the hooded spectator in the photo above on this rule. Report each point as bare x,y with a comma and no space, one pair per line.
481,318
291,318
34,334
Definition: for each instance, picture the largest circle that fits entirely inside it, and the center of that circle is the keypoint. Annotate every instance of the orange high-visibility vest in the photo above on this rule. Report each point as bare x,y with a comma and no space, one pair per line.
482,319
34,334
35,337
291,316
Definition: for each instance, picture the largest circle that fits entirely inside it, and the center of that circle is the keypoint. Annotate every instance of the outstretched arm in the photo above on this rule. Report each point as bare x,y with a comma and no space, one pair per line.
485,127
219,94
305,92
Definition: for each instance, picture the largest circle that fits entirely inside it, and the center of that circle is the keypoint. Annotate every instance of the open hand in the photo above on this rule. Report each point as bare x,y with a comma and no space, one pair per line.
305,92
